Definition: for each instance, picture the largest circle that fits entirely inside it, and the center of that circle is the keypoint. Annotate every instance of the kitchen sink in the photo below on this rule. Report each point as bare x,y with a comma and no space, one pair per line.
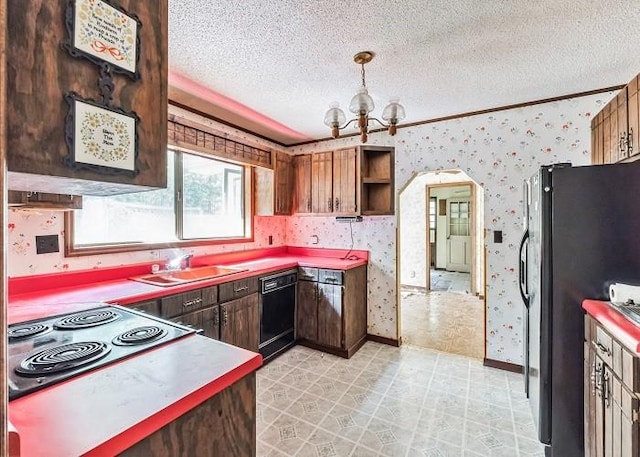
177,277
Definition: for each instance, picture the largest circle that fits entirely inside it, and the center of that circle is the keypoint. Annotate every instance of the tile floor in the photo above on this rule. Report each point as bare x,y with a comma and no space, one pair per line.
450,281
388,401
446,321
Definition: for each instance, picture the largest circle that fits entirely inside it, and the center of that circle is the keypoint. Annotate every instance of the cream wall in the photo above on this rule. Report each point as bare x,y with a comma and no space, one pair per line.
497,150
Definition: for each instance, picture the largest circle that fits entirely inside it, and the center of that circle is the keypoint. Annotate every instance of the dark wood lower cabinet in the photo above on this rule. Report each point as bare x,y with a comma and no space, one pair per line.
332,309
224,425
612,403
330,315
240,322
306,322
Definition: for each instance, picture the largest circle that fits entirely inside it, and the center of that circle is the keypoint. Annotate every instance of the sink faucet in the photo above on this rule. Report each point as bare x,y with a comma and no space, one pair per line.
178,262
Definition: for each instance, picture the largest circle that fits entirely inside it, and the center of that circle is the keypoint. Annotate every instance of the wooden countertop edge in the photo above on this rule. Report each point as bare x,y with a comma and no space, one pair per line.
140,431
615,323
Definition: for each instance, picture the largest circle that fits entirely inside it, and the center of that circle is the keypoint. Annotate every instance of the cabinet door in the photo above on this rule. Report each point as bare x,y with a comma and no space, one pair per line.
597,138
345,181
307,315
283,184
240,322
633,113
606,134
330,315
589,400
621,133
211,322
302,184
322,182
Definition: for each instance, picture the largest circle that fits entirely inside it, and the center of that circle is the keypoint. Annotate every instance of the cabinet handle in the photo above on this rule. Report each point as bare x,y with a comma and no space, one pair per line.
337,204
622,143
309,204
195,301
604,349
216,319
225,316
630,141
240,289
330,203
606,391
331,279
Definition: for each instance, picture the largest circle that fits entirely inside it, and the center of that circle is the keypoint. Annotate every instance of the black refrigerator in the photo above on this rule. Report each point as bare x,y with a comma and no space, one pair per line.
582,233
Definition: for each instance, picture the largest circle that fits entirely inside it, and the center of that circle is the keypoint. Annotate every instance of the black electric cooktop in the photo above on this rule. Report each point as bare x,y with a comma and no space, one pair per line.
45,351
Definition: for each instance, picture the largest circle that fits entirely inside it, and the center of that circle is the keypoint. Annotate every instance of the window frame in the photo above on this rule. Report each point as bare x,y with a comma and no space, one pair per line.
71,250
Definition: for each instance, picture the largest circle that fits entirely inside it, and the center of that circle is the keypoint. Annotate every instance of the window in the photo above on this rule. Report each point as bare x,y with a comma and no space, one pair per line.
205,199
459,218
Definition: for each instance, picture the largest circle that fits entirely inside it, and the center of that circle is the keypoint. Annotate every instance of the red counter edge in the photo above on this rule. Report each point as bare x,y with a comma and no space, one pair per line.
152,424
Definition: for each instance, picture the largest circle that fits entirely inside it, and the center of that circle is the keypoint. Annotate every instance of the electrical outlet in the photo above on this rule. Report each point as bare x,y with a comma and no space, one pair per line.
46,244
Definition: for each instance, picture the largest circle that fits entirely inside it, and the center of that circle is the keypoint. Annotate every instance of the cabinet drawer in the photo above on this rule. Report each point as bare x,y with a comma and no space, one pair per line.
209,296
182,303
307,274
149,307
331,276
604,346
236,289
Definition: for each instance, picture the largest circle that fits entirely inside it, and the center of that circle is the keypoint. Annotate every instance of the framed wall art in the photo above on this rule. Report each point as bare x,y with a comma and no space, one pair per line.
104,33
101,138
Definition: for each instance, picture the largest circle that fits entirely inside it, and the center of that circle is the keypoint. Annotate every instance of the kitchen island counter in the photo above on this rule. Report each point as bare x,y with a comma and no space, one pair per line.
108,410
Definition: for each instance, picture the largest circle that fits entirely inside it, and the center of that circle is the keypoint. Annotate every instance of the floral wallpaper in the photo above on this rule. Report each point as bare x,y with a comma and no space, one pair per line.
24,226
497,150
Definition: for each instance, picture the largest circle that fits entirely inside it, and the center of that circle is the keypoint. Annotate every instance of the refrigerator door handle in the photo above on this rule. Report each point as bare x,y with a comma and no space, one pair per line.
522,270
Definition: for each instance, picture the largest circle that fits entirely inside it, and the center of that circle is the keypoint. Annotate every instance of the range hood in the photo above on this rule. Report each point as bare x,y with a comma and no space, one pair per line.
43,201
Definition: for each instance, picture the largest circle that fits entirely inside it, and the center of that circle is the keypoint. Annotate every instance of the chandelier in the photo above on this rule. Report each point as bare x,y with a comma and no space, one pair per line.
361,105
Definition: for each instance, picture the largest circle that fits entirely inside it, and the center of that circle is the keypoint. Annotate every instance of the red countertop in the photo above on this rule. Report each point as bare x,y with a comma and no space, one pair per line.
135,397
33,296
619,326
106,411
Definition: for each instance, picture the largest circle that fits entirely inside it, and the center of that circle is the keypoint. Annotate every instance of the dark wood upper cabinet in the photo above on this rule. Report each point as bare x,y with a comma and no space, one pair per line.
40,72
322,182
615,129
302,183
345,181
283,184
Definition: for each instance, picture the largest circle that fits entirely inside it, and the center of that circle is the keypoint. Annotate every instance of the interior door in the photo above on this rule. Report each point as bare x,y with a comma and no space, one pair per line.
459,235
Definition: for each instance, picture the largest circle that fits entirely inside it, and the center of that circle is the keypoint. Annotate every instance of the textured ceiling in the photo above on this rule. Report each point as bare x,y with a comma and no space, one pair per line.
274,66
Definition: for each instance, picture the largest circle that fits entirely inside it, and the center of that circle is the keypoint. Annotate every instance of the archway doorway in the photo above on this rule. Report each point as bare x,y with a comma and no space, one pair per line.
441,277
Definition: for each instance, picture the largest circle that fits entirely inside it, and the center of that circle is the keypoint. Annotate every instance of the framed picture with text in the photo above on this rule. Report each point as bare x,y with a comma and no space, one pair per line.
101,138
105,34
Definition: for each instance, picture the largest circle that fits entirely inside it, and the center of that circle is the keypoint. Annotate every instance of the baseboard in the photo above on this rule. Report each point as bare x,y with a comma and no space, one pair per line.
383,340
513,367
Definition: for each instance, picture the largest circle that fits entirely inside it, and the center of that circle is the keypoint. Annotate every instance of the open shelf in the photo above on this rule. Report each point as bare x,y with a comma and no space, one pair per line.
377,194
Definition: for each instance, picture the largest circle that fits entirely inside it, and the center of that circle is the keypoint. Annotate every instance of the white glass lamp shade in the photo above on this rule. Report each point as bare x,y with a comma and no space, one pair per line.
393,112
361,103
335,116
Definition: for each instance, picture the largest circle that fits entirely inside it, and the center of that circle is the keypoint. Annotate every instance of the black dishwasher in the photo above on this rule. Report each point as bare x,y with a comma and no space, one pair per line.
277,312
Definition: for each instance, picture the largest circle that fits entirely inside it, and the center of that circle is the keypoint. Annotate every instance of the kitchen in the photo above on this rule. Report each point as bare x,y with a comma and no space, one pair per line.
519,138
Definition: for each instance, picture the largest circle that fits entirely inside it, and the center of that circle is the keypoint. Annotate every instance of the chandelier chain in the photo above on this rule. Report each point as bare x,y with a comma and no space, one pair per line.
363,81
